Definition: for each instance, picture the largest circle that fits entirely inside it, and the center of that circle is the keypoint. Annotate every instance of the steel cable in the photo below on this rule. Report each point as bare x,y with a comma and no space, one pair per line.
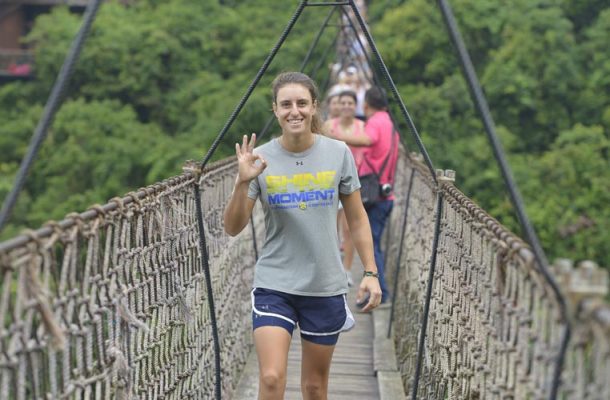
51,107
515,196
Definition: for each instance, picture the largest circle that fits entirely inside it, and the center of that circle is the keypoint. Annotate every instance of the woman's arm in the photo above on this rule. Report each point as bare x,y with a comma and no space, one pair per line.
359,227
355,140
238,211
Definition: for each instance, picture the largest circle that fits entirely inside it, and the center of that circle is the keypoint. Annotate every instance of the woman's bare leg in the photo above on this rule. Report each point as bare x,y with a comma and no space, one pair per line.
272,344
315,369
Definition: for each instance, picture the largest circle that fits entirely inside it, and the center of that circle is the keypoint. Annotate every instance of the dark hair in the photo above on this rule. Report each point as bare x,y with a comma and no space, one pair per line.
331,96
349,93
299,78
375,97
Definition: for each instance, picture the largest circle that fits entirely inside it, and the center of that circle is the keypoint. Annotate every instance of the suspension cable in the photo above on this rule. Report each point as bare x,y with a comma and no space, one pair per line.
254,83
402,240
51,107
324,57
304,63
429,287
205,261
314,71
509,182
316,40
362,48
196,188
397,97
439,193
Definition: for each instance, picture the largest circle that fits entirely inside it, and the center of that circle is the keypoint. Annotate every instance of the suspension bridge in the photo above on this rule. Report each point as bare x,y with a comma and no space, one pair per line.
147,297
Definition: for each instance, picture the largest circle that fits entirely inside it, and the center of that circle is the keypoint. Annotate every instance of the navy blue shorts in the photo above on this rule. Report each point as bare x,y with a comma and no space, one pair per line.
320,319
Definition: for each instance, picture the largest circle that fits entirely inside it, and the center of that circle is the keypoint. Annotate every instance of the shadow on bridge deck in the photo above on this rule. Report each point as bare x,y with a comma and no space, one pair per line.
353,373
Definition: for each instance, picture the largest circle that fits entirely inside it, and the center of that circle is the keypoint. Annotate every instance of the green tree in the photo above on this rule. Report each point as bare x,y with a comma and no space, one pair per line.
96,150
571,211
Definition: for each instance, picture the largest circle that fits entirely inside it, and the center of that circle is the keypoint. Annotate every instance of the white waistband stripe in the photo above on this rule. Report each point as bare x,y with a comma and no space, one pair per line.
257,312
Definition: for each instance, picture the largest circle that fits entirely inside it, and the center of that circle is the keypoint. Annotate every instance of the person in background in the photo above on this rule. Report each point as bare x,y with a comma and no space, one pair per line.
357,83
347,124
333,108
380,144
299,179
342,84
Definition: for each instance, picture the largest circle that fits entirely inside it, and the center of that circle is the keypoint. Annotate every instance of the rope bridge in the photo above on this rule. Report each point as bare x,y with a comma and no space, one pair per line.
118,301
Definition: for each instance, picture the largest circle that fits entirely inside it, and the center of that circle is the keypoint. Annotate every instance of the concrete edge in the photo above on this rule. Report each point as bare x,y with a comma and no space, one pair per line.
247,386
389,380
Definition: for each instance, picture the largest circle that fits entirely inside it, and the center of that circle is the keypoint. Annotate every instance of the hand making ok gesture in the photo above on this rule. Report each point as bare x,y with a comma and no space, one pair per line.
248,167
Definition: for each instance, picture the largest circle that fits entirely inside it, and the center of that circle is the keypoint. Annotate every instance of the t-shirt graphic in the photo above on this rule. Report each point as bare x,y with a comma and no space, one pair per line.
301,190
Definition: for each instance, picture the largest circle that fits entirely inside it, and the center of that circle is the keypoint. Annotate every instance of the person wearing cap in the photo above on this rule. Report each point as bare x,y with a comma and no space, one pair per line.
357,84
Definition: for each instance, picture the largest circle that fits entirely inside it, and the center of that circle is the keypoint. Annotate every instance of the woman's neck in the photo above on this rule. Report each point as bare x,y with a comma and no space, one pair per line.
346,122
297,143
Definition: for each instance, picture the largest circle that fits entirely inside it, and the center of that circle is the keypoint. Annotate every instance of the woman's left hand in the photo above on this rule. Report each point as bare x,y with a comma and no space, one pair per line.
370,285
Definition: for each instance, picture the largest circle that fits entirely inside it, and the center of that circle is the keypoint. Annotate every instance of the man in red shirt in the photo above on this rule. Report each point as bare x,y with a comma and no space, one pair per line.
381,145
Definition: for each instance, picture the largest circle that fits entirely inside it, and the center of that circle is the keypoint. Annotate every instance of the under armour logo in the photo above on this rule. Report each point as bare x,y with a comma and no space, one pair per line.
299,162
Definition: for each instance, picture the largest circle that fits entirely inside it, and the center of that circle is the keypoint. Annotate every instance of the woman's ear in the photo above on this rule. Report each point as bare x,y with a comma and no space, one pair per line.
274,108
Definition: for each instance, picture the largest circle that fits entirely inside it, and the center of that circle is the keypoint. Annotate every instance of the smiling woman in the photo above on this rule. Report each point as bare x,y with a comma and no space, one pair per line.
299,279
295,104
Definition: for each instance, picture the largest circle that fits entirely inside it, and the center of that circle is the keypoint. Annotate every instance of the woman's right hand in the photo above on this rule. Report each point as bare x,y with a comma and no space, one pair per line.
248,167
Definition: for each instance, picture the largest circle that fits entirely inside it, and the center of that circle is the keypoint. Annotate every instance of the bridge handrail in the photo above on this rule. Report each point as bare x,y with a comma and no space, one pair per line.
493,320
139,194
112,300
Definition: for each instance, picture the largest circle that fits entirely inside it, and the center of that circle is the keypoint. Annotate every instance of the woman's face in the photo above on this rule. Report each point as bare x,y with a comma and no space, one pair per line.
294,109
348,106
334,107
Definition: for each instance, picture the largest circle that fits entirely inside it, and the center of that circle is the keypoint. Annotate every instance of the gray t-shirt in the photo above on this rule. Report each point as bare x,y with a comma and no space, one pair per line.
300,194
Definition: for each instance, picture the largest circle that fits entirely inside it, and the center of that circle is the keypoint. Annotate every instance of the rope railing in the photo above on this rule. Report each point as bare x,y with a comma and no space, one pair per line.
494,328
114,304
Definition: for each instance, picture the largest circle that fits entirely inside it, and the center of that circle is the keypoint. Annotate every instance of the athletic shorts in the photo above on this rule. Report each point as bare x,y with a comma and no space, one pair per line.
320,319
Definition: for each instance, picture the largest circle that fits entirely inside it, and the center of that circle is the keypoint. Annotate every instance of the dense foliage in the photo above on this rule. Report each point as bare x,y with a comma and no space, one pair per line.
157,81
544,66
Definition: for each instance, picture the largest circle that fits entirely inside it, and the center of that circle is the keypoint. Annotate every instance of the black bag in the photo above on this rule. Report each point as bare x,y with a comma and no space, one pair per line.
370,187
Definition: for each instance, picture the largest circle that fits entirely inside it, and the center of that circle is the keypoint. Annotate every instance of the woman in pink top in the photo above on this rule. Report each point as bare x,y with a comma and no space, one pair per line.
347,124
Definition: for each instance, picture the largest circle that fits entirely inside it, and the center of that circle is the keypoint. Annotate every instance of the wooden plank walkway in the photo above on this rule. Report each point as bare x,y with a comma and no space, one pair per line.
352,374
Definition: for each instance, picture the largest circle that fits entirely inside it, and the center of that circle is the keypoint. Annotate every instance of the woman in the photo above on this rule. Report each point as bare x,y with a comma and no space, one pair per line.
298,278
347,124
332,105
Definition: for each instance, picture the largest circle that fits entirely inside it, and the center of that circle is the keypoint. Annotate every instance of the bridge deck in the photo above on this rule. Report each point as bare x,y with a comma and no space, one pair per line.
352,375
